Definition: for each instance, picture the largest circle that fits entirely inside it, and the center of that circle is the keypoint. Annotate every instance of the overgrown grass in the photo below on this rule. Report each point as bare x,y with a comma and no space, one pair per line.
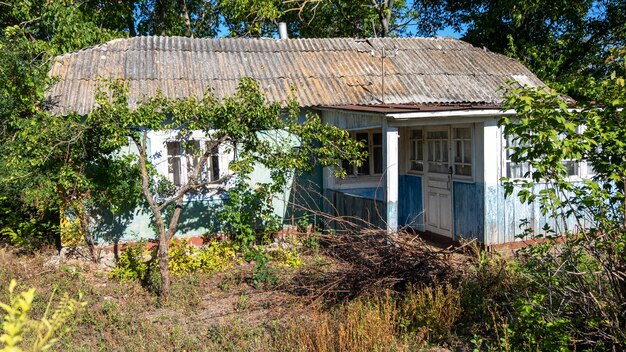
124,316
494,307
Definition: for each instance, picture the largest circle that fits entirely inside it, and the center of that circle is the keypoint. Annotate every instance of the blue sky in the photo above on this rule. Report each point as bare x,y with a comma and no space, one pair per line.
448,32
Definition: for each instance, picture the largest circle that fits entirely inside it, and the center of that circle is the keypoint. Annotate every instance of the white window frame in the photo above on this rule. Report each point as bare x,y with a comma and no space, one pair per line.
413,145
451,147
353,171
472,153
212,163
582,170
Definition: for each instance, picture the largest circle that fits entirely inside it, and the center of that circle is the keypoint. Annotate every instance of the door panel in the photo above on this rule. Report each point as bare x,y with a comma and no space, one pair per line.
438,182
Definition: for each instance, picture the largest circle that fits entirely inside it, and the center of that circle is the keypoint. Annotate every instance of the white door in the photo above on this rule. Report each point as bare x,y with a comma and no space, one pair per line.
438,190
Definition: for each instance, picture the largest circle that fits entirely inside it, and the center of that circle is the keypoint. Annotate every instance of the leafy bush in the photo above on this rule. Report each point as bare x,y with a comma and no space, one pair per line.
287,257
534,330
184,258
577,276
131,264
247,216
262,274
217,257
40,335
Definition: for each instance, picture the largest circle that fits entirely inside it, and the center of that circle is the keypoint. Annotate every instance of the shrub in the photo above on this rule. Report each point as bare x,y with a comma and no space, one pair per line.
184,258
247,216
262,274
217,257
287,258
19,329
131,264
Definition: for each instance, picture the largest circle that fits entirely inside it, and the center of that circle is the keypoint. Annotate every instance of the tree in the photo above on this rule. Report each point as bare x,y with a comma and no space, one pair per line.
558,40
244,122
578,277
189,18
31,34
357,18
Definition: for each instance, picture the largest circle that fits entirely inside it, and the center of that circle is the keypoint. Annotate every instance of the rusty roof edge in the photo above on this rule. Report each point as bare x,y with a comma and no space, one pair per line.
405,108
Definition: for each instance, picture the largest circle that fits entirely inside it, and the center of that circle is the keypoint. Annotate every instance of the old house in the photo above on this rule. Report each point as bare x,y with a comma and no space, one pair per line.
427,109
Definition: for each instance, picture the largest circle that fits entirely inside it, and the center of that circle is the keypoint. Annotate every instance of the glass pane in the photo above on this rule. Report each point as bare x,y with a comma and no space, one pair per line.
416,134
215,167
378,160
458,156
377,139
438,168
444,150
572,167
417,166
465,170
345,164
365,168
363,137
462,133
173,148
467,152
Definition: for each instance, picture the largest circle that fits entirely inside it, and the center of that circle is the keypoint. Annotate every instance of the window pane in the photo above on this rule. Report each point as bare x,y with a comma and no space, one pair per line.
377,139
444,151
174,163
458,155
572,167
462,133
417,166
363,137
467,149
465,170
377,154
364,169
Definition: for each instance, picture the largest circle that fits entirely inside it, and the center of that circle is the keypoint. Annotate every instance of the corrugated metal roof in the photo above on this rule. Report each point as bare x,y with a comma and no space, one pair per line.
325,72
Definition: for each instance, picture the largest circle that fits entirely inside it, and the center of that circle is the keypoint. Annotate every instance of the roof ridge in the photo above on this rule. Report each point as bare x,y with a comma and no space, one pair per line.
112,42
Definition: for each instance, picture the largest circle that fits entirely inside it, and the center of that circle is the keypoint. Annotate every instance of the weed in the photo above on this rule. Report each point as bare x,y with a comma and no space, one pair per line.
262,274
431,312
131,265
184,258
243,302
289,258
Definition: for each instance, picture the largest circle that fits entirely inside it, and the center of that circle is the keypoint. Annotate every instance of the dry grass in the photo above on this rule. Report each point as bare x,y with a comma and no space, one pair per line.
224,312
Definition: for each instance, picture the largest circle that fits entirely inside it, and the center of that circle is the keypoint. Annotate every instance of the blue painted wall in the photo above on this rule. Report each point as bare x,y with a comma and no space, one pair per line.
410,202
506,217
196,219
468,210
359,211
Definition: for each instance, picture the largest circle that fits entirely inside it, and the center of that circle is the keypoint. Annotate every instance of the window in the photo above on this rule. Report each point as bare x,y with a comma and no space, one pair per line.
416,158
462,139
524,169
441,150
373,164
437,144
183,157
515,170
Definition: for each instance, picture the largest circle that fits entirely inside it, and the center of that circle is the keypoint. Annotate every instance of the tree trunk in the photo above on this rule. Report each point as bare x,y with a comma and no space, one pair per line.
164,241
164,270
186,18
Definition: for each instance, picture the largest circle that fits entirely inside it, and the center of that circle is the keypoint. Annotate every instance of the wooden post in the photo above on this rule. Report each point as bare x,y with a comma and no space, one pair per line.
390,152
